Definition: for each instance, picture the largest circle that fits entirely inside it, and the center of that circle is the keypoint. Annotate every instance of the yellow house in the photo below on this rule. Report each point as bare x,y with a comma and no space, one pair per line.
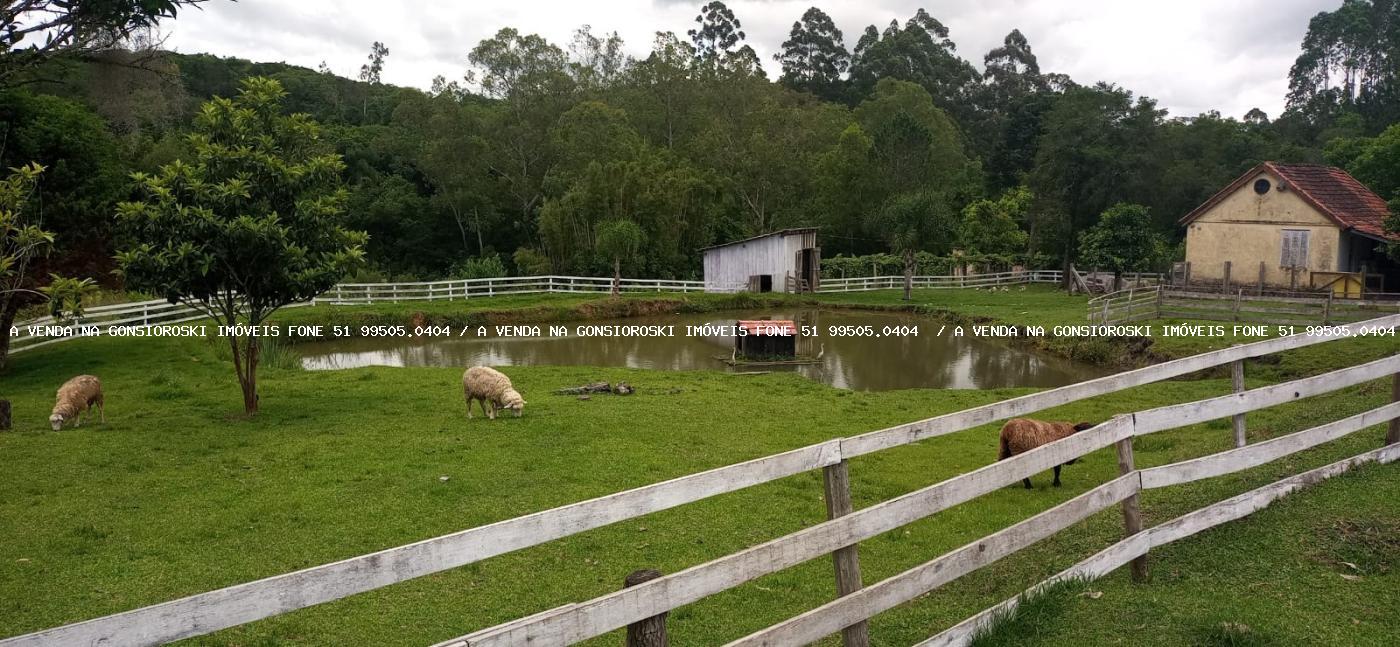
1285,223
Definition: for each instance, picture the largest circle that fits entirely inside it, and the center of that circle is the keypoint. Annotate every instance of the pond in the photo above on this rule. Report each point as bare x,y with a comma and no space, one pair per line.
925,360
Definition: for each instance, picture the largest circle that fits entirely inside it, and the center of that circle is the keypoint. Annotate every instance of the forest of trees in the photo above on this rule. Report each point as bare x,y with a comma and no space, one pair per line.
529,162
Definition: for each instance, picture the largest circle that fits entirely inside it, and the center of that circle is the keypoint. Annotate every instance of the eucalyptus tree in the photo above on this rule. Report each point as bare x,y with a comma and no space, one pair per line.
921,52
596,63
529,78
372,69
814,56
661,93
1348,63
1011,101
719,42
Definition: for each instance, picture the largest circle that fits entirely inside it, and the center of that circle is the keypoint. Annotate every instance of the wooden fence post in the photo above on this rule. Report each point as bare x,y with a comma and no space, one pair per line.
1393,436
1237,377
1132,514
5,414
838,504
1186,280
1238,296
1161,298
1327,309
647,632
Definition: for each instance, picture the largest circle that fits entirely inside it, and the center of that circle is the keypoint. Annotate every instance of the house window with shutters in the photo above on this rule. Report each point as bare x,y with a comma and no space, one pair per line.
1295,248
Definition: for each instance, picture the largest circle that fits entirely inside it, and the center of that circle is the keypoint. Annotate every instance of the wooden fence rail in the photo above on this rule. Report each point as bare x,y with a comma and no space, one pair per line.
208,612
891,282
578,622
1186,525
1242,306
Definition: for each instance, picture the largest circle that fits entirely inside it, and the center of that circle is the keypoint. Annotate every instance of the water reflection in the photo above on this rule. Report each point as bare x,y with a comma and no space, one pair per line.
927,360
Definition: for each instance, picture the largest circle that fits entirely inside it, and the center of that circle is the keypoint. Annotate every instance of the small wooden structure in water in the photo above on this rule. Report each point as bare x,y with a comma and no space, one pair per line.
764,339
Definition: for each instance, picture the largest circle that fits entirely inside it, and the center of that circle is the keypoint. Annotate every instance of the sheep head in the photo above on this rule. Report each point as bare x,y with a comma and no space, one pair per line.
511,400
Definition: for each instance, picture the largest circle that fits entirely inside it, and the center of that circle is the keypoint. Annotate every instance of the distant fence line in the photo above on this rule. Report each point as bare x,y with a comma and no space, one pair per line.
162,312
1165,302
998,279
844,528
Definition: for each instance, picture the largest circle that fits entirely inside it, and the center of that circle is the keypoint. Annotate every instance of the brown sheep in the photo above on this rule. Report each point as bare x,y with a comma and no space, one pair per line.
493,389
77,395
1020,435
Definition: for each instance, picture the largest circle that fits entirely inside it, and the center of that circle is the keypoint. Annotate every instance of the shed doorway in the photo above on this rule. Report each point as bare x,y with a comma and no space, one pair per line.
808,269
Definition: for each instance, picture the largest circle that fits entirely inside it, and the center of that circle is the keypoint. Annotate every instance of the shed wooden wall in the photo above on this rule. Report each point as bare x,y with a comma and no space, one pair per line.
728,268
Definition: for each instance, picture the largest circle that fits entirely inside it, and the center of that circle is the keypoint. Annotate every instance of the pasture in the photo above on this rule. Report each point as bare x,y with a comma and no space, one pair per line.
177,495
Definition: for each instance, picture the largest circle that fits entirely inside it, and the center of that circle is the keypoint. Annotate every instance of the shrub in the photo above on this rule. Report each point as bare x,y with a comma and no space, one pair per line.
481,267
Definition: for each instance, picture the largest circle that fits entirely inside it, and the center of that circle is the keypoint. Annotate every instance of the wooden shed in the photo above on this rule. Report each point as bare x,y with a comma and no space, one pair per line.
783,261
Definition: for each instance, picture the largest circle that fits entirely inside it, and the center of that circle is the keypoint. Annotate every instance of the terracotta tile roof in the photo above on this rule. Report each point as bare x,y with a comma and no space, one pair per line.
770,328
1332,191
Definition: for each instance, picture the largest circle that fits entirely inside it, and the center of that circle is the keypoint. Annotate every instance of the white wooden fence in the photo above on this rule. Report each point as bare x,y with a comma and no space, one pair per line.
143,314
159,312
208,612
1157,302
451,290
864,283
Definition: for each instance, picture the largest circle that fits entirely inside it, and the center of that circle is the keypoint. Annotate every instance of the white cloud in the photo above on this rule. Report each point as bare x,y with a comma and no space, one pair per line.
1190,55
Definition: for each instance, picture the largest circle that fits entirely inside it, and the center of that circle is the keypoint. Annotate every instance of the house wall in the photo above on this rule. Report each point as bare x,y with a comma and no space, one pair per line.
728,268
1246,228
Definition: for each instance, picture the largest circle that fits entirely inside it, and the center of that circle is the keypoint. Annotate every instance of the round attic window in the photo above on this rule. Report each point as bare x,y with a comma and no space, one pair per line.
1261,186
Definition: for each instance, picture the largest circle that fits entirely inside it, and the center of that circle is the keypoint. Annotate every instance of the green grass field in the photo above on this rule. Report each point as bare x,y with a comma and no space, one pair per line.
178,494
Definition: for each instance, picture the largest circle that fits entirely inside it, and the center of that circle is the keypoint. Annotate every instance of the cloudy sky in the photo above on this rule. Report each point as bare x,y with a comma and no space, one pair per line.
1191,55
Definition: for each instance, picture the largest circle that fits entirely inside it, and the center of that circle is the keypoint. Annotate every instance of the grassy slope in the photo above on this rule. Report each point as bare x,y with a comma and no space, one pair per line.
175,497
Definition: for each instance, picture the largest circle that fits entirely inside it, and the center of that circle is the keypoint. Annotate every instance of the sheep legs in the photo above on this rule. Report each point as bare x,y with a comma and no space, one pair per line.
487,412
1027,481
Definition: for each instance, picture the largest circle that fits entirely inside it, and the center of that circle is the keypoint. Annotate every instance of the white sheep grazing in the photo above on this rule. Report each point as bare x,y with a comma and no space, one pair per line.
77,395
493,389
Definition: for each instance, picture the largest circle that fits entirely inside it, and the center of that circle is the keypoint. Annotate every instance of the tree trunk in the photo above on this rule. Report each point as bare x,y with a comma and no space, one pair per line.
617,276
245,365
7,319
1068,281
908,273
250,386
476,226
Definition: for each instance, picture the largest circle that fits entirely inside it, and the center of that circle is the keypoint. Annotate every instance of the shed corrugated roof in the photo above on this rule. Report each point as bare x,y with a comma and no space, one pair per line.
784,232
1330,190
